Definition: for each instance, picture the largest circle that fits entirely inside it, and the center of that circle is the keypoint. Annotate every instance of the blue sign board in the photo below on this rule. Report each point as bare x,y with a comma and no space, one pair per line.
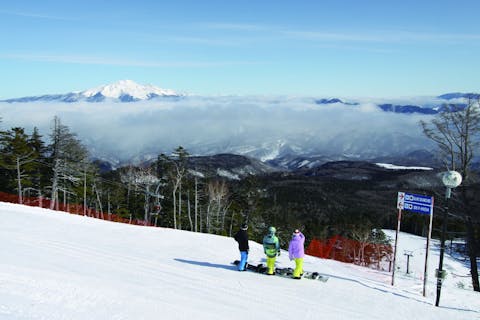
415,202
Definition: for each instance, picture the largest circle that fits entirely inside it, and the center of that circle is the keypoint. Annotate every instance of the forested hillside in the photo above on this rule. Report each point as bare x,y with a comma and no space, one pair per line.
214,194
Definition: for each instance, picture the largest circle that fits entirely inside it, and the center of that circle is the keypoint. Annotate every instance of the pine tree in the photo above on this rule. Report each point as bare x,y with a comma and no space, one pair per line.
68,157
18,155
40,172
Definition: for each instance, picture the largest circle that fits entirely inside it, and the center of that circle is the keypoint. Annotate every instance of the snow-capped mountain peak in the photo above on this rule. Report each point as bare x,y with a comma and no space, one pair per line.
123,91
128,88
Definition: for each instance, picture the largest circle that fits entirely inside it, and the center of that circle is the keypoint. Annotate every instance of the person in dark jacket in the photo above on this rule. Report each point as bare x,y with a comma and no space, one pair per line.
242,238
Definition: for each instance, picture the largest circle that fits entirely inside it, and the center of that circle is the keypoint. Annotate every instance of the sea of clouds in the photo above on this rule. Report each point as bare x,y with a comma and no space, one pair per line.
205,125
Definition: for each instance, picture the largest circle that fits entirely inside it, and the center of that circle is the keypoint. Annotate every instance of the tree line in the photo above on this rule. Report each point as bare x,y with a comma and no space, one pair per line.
165,192
170,191
30,166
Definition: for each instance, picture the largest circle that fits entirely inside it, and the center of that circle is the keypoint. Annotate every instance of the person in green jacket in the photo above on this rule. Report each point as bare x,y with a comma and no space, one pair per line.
271,247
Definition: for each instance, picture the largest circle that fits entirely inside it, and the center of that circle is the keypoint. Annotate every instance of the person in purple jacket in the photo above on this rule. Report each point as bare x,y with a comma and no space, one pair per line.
296,252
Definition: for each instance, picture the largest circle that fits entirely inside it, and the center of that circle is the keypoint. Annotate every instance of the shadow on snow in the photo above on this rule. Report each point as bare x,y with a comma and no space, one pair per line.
207,264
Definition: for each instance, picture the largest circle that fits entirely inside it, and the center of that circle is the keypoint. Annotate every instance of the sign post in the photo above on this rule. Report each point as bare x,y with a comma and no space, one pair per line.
426,254
396,241
419,204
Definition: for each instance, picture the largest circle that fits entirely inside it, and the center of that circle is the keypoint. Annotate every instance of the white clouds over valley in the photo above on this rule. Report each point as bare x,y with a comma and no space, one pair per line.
206,125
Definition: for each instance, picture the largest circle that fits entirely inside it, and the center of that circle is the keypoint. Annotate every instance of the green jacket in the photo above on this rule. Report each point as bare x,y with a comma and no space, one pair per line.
271,245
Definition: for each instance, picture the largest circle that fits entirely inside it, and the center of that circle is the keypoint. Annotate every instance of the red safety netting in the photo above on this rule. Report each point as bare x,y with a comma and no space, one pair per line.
352,251
69,208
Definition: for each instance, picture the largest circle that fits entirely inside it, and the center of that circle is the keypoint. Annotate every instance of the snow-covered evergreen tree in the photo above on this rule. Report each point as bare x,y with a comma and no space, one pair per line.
18,155
68,158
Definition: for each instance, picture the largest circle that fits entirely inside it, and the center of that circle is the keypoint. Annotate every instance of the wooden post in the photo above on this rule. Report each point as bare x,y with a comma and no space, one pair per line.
395,247
425,273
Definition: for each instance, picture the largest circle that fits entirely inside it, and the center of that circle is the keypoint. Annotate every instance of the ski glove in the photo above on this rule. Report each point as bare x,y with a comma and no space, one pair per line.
278,253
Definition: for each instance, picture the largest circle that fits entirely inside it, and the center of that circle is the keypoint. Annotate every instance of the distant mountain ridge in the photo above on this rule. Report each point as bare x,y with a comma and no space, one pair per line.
459,95
121,91
130,91
286,133
407,109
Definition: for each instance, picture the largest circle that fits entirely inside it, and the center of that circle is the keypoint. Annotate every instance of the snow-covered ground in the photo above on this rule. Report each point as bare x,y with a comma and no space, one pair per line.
59,266
395,167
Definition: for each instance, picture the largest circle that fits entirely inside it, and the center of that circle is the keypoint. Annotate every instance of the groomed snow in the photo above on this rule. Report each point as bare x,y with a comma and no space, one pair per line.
59,266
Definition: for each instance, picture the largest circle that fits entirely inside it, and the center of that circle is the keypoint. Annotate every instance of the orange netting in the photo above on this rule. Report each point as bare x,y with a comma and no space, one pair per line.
69,208
351,251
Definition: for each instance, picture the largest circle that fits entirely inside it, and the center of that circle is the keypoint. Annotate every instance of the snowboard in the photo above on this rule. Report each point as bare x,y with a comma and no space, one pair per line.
284,272
250,267
288,273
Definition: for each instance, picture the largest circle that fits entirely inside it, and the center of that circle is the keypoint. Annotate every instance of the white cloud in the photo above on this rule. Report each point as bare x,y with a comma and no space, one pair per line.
224,124
112,61
37,15
336,35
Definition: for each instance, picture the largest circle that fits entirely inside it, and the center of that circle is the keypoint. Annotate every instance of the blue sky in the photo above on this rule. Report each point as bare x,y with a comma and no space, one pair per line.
321,48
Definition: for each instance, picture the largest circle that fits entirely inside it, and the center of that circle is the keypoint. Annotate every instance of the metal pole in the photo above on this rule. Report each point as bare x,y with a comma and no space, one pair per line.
408,263
425,273
442,248
84,189
396,241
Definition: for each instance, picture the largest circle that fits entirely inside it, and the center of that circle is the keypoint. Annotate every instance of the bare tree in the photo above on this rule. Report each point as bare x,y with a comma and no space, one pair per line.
144,180
362,234
189,211
97,192
128,178
196,176
176,177
217,205
175,168
455,131
196,204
